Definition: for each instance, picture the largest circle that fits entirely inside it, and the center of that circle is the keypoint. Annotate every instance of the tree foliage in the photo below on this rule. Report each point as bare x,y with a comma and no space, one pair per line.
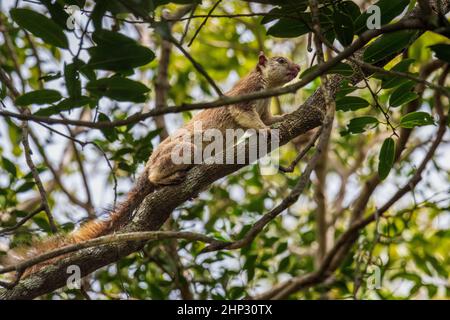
122,58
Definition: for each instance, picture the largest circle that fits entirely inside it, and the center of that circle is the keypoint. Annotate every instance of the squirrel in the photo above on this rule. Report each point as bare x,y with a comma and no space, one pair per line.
269,73
160,169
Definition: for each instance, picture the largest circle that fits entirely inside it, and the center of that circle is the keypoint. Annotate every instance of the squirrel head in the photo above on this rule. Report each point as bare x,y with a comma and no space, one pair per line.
277,70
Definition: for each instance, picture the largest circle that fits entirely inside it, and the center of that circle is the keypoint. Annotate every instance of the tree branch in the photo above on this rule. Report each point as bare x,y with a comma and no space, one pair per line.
409,23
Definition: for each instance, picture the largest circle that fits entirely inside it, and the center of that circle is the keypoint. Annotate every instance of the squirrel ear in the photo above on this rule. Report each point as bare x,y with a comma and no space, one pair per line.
262,59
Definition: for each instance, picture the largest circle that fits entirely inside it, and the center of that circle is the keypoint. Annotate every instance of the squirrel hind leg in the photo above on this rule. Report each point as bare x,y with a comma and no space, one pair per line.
175,178
163,171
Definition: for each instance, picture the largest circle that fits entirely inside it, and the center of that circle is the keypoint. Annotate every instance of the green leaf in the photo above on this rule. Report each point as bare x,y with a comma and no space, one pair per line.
109,133
40,26
351,103
416,119
340,68
389,9
288,28
110,38
287,8
282,247
349,8
64,105
403,94
43,96
392,81
344,89
249,265
117,52
28,185
387,45
284,264
386,158
85,70
119,58
3,91
294,27
343,26
42,223
432,290
50,76
442,51
72,79
118,88
359,125
9,166
57,12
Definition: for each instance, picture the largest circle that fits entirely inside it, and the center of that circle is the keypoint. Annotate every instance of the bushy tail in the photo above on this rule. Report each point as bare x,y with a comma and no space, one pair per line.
90,230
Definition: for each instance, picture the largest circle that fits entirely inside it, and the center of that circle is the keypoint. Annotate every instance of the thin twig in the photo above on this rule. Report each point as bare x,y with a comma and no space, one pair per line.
179,46
28,152
204,22
22,221
377,104
38,59
37,179
224,100
90,207
302,153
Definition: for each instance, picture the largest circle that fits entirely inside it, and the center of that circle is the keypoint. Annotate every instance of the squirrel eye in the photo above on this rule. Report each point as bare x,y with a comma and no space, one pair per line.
281,60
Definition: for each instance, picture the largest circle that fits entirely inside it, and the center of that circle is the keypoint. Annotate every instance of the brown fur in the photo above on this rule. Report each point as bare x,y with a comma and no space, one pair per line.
269,73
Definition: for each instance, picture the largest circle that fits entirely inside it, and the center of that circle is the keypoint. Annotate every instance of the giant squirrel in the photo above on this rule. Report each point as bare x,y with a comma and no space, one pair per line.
160,169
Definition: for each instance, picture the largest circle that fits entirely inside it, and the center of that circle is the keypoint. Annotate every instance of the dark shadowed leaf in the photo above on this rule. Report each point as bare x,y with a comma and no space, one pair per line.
117,52
57,12
28,185
386,158
351,103
110,133
299,25
340,68
64,105
388,44
389,9
349,8
118,88
40,26
9,166
403,94
119,58
288,28
442,51
111,38
43,96
72,78
343,26
344,89
360,124
392,81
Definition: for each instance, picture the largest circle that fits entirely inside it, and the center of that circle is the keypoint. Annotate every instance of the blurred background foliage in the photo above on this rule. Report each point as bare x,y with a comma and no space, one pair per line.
408,248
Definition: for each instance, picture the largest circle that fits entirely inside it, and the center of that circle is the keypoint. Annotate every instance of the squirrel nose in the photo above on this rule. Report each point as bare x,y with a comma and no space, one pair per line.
297,67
